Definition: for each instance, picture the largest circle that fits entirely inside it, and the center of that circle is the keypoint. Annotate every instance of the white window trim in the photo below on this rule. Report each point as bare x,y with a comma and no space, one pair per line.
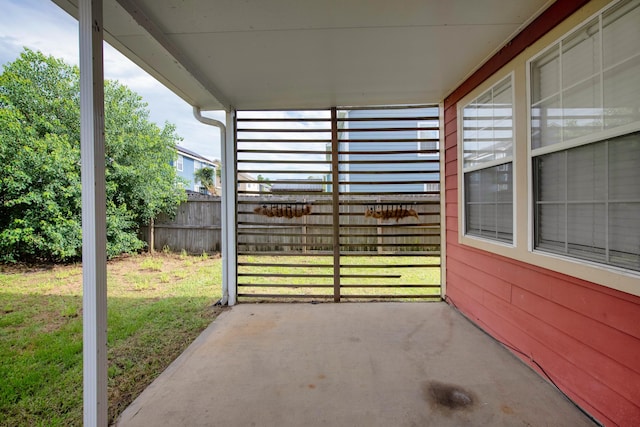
423,123
582,140
180,163
439,145
469,239
602,274
564,145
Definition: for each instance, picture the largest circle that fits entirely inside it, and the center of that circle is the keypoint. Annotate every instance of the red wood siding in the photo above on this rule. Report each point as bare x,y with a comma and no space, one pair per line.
586,337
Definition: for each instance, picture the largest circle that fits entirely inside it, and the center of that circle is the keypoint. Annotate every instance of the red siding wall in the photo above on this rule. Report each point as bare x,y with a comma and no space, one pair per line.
585,336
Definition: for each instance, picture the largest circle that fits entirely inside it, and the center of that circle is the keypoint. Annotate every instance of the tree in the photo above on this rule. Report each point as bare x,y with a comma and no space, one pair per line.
207,177
39,192
40,153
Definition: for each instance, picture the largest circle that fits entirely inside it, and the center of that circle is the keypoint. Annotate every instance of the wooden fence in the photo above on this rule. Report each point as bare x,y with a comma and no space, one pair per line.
196,227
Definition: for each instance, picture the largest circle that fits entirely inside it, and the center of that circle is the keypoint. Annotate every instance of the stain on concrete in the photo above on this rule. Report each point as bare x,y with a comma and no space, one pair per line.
447,398
252,327
506,409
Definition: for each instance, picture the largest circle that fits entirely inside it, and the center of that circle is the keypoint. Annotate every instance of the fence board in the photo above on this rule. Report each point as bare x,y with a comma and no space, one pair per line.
196,226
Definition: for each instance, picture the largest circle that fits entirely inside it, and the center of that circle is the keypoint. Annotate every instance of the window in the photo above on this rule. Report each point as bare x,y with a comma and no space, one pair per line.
585,141
434,187
179,163
428,139
487,151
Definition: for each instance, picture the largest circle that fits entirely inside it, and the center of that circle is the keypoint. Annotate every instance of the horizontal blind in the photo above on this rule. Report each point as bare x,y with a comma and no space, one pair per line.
588,202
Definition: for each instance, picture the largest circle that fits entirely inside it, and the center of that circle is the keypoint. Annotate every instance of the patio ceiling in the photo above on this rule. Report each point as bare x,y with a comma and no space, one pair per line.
262,54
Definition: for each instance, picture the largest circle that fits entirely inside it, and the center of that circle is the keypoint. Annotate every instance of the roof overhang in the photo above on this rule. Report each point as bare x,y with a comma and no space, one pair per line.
275,54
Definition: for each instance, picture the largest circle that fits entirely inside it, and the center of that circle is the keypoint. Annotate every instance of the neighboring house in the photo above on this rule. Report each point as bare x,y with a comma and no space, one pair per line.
247,183
264,187
356,120
284,187
187,163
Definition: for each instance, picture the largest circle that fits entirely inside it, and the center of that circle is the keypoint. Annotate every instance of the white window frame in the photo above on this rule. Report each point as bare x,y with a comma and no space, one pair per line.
462,169
180,163
432,187
426,135
593,138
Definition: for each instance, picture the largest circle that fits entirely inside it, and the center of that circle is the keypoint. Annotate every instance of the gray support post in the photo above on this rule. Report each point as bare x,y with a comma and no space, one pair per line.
94,228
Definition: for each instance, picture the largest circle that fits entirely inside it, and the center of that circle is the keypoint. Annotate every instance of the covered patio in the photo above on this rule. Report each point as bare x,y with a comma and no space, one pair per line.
507,256
353,364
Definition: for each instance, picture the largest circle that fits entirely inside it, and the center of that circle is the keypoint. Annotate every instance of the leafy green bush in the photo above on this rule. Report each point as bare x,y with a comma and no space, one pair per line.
40,199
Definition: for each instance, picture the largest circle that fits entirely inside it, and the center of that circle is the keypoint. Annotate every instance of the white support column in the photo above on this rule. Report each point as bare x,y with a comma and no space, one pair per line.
229,199
228,203
94,229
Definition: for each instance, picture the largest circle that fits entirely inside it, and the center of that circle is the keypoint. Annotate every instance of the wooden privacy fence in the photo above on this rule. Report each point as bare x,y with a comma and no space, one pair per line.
311,233
196,227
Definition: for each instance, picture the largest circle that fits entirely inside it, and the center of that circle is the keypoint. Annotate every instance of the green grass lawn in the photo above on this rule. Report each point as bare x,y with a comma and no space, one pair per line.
157,305
427,273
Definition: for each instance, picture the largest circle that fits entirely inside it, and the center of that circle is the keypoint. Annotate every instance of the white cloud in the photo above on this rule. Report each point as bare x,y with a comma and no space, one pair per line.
39,25
42,25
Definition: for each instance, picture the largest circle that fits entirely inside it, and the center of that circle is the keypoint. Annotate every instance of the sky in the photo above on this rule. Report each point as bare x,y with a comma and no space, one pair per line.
42,26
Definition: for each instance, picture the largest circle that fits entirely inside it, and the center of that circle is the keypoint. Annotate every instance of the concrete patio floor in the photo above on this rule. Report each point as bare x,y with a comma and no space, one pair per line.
352,364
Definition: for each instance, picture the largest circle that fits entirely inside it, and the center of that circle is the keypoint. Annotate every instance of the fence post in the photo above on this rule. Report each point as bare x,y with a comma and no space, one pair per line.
379,230
152,247
304,228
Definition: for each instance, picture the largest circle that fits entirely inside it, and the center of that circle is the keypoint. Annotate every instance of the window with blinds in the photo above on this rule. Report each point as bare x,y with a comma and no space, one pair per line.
585,140
428,139
487,151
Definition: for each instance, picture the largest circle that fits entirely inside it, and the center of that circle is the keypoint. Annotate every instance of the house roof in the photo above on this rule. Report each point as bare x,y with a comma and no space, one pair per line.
194,155
311,54
285,187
